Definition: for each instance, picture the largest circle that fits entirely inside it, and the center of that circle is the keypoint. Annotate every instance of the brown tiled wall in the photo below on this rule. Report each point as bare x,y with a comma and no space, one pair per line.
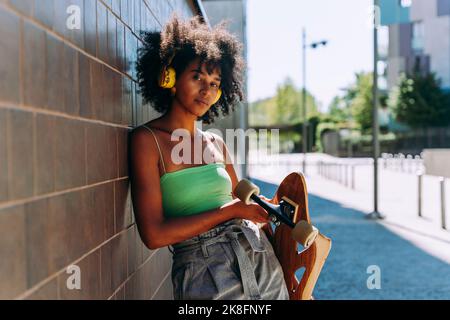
68,99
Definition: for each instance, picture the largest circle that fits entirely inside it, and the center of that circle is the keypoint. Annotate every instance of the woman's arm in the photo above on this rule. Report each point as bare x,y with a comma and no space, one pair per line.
232,173
155,230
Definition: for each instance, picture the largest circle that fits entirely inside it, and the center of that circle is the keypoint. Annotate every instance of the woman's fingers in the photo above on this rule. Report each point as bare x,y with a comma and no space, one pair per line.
264,215
266,199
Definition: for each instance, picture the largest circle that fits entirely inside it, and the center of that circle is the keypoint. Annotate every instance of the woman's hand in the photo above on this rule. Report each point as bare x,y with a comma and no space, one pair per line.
266,199
252,211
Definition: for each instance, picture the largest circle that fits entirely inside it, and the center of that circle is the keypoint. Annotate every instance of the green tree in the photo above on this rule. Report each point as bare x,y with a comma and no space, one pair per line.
360,97
339,110
419,101
284,108
289,101
263,112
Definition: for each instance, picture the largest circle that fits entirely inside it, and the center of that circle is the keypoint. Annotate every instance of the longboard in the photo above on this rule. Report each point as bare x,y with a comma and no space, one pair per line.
289,211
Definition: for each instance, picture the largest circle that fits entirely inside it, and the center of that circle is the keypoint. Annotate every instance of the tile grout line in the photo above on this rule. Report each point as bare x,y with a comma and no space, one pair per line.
34,138
85,156
160,285
21,62
13,203
122,285
114,206
117,153
100,272
22,107
62,270
96,28
153,14
8,156
58,290
120,18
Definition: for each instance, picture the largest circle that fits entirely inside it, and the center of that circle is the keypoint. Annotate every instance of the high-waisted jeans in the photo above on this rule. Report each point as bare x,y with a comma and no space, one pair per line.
234,260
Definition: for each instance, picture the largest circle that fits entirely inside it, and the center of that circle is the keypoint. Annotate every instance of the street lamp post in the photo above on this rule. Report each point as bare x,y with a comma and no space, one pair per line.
304,130
375,127
305,125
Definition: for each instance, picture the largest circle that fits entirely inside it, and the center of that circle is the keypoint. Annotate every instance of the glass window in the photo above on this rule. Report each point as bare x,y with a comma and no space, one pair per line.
418,36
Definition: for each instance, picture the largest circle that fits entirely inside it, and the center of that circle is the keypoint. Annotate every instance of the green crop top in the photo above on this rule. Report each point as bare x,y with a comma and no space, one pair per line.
194,190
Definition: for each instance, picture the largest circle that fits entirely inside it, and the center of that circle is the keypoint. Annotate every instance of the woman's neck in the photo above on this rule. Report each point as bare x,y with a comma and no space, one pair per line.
179,118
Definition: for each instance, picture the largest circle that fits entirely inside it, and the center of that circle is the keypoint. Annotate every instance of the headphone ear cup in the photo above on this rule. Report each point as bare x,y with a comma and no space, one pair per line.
219,94
167,78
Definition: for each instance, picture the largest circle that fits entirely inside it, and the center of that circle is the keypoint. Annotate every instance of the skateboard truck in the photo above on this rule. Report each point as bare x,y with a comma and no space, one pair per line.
285,212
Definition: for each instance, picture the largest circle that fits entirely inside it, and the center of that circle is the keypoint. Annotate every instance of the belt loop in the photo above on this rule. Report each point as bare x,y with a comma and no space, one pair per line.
204,249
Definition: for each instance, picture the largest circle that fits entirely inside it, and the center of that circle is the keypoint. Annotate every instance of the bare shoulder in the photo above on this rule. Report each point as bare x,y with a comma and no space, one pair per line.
142,144
140,135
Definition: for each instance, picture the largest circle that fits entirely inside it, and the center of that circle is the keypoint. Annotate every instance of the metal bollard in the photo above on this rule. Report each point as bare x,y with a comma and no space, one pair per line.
353,177
409,162
346,175
443,223
330,172
419,204
402,162
339,173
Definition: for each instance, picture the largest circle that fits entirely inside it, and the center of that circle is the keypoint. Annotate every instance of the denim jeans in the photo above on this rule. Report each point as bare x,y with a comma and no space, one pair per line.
234,260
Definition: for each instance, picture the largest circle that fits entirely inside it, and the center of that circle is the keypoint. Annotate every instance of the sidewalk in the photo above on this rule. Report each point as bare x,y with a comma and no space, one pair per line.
412,253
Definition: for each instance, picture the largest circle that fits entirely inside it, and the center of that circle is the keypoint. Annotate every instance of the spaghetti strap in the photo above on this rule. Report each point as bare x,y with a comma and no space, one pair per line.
157,144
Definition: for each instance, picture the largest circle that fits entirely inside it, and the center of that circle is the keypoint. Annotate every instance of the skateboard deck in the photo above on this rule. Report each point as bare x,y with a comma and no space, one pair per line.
292,195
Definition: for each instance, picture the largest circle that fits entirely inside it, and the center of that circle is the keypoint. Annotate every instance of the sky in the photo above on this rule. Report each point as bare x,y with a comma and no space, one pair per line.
274,36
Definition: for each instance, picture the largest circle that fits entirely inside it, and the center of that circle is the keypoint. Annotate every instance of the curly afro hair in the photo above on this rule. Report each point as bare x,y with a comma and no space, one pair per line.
184,41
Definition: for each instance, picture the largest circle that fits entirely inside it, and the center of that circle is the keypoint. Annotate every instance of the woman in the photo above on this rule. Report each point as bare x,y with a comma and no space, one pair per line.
189,72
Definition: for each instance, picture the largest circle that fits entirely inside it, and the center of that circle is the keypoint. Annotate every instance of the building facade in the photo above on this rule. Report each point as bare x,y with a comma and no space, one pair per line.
419,37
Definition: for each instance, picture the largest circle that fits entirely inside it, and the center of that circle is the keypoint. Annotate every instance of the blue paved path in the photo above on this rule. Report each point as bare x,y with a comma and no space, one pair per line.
407,272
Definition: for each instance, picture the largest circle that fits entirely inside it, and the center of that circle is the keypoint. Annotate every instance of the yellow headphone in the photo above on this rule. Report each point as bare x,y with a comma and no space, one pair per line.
167,80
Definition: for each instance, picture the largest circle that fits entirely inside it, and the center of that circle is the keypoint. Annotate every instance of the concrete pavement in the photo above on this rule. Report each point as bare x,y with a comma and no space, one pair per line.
412,253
